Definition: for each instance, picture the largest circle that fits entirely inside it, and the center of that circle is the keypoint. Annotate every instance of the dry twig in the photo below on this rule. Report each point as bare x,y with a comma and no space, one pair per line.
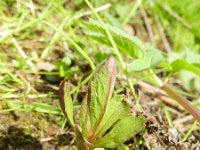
147,24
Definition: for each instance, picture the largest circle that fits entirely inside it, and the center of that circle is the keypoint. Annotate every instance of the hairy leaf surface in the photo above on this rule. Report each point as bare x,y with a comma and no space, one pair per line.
117,109
129,45
151,57
122,131
100,91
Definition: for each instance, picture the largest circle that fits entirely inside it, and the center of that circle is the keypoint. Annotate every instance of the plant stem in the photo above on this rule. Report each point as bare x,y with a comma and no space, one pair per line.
178,98
132,12
181,100
116,51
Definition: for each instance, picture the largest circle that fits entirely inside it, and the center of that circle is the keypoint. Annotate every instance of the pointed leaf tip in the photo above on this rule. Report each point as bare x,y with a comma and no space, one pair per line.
112,65
100,91
65,101
111,61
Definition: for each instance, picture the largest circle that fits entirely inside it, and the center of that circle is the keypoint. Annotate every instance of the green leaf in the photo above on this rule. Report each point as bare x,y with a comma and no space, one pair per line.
193,57
117,109
124,147
122,131
190,80
182,64
127,44
65,101
151,57
99,94
80,141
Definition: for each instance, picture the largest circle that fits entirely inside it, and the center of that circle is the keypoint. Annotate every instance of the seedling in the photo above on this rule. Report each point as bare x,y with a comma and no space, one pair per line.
105,118
130,46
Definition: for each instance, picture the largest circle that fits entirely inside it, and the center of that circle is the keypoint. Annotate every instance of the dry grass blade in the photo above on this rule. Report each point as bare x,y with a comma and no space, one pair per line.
181,100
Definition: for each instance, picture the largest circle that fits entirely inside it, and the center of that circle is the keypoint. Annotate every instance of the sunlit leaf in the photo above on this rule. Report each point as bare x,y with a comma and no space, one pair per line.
100,90
117,109
127,44
151,57
181,64
193,57
190,80
122,131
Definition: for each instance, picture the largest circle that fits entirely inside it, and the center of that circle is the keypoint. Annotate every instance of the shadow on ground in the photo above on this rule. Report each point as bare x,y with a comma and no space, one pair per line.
16,138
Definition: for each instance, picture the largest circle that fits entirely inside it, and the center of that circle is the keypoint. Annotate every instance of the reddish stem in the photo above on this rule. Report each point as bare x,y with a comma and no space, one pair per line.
181,100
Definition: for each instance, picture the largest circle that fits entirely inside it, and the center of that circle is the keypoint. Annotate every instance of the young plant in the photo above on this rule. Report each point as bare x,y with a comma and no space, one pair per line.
105,117
134,48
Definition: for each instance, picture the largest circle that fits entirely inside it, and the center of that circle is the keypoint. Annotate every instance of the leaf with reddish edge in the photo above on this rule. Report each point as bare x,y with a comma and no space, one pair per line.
100,91
122,131
118,108
65,101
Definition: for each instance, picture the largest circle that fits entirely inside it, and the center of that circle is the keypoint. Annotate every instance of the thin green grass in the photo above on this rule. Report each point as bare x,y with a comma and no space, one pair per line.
78,48
116,51
52,29
168,116
189,132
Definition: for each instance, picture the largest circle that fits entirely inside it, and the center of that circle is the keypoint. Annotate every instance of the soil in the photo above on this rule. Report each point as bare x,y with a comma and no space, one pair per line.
29,130
39,131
